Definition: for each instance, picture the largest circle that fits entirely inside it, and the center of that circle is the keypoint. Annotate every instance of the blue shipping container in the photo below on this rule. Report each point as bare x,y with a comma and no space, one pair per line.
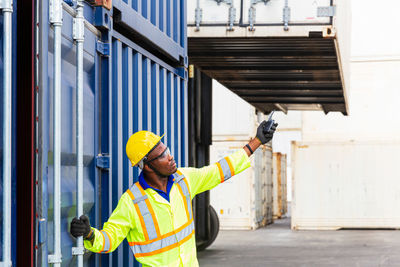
134,78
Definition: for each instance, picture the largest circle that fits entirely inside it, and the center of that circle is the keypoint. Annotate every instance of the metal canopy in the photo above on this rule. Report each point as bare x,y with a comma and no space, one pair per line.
286,73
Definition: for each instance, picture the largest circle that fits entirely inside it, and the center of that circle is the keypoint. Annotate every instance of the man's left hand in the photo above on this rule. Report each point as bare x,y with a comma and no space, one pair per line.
265,137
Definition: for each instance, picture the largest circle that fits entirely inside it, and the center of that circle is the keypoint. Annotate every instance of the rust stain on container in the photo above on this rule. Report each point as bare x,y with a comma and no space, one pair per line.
304,146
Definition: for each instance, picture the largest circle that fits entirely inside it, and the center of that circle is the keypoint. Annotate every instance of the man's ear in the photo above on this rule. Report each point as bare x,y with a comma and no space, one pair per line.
146,168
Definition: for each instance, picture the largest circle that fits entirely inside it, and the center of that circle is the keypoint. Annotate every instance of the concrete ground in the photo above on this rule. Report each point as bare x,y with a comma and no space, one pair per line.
277,245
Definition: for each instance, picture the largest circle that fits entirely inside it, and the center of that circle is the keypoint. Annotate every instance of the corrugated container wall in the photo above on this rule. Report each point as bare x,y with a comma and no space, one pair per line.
126,88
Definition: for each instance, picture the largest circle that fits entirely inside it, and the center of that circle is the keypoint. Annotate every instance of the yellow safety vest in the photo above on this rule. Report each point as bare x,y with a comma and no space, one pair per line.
161,233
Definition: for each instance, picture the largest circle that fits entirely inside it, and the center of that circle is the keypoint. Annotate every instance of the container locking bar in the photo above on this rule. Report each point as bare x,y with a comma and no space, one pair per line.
232,12
286,16
198,15
6,7
79,37
252,12
55,12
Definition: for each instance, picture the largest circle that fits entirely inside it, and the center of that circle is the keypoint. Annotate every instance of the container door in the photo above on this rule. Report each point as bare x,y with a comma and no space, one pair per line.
91,76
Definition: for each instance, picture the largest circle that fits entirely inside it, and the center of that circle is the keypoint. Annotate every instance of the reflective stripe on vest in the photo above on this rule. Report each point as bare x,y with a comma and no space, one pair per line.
146,213
184,190
106,242
160,243
225,168
166,242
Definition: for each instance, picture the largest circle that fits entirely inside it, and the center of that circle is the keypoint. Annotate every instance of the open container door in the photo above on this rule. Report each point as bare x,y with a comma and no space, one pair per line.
45,224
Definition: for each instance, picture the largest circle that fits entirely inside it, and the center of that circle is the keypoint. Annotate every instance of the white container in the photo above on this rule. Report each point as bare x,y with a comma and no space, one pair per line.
345,185
245,200
279,185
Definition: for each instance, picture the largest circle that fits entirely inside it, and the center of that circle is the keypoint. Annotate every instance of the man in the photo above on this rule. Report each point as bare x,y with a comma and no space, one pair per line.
155,214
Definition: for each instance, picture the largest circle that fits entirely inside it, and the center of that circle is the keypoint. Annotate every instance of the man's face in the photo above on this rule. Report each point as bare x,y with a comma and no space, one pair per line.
161,159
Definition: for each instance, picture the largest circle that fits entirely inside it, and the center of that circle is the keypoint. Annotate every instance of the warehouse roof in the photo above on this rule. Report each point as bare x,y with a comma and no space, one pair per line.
271,73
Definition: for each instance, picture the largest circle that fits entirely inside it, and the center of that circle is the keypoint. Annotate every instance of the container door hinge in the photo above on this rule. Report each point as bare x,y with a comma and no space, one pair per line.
326,11
103,161
103,48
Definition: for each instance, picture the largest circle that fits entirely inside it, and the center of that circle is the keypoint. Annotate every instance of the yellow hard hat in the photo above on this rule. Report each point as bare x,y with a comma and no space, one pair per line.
140,144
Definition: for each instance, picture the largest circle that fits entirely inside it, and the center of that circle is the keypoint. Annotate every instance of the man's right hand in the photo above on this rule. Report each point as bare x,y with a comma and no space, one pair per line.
80,227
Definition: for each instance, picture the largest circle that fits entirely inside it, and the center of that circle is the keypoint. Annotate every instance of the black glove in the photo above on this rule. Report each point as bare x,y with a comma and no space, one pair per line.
80,227
265,137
